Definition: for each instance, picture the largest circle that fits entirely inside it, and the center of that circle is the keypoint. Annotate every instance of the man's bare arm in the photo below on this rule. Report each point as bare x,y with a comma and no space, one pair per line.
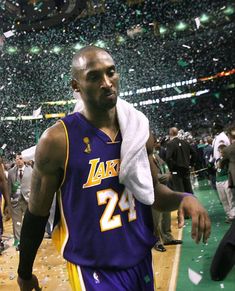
47,177
48,170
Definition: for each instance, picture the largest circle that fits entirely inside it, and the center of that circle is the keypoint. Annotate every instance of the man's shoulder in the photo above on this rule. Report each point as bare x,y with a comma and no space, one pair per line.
11,170
28,168
53,134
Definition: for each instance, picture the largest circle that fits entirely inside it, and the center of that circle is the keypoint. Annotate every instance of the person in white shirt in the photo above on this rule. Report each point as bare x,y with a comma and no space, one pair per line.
220,137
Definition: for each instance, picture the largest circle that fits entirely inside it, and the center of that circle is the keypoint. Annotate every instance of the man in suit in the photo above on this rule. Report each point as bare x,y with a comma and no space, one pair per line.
19,181
179,155
4,192
162,220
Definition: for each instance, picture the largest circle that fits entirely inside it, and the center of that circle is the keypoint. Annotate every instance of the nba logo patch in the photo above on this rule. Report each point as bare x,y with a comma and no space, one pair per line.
96,278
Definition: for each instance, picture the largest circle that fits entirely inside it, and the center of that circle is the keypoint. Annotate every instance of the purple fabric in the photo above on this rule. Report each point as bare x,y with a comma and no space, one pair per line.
137,278
88,244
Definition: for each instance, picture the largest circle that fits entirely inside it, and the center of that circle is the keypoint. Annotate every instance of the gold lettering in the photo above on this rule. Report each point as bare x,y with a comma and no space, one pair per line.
92,181
110,168
99,171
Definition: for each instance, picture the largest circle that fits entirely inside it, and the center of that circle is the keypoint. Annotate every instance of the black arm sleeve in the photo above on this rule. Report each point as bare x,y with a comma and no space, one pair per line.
32,233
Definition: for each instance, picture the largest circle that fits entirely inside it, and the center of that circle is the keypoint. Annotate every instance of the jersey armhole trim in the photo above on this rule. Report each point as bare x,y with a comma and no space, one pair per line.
67,152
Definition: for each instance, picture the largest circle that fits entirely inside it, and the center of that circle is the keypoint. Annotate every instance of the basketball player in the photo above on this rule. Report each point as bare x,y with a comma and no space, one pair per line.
105,235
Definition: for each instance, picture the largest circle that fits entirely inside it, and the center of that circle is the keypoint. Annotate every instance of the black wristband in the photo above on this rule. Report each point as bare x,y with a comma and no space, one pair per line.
32,233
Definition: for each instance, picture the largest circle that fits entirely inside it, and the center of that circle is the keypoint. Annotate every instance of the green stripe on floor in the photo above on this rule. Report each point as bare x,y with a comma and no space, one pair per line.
199,257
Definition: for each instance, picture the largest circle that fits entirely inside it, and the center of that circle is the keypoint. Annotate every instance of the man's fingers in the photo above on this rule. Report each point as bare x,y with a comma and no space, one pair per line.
207,230
195,224
201,228
180,216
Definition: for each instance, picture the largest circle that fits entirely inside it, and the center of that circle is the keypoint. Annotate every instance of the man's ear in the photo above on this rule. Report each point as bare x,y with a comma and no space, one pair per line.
75,86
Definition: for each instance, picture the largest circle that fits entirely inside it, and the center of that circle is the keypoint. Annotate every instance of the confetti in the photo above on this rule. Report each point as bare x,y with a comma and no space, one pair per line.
194,277
8,33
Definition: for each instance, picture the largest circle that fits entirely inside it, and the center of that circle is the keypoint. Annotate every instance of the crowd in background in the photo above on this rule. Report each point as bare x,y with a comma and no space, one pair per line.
144,59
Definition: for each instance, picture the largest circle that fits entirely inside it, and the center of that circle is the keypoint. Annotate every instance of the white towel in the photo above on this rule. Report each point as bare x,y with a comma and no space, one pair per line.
135,171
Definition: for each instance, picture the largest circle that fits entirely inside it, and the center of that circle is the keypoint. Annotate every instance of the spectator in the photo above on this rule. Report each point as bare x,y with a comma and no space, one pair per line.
19,182
179,156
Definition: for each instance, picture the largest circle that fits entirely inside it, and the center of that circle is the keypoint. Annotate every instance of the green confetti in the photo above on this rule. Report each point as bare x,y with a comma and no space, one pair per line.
147,279
217,95
182,63
194,101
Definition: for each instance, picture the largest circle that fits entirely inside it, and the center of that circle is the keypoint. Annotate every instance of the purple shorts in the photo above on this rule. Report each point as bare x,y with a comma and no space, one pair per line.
137,278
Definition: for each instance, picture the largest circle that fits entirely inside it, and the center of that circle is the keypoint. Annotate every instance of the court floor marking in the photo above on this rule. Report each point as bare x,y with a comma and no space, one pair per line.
175,268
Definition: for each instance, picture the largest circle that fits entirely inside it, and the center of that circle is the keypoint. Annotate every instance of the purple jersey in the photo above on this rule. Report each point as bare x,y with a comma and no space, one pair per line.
100,225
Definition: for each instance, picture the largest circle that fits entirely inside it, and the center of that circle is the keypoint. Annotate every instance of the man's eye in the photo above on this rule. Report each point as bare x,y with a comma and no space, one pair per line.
94,77
111,72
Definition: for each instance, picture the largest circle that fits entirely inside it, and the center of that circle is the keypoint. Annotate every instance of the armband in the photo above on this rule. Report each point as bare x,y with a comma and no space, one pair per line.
32,234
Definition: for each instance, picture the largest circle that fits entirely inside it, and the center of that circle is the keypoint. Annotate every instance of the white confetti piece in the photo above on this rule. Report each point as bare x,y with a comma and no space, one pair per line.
198,23
8,33
45,280
11,276
194,277
222,286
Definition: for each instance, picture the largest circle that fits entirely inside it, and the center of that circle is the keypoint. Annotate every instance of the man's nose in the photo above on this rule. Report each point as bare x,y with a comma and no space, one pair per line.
106,83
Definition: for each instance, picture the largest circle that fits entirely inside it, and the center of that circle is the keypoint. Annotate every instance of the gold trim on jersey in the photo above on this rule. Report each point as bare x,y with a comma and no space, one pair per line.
60,233
112,139
67,151
75,277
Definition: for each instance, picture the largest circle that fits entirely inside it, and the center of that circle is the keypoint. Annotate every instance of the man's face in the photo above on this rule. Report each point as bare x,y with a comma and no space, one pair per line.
97,80
19,161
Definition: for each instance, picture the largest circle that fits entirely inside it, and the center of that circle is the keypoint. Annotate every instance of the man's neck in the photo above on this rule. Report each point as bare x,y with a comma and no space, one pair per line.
105,121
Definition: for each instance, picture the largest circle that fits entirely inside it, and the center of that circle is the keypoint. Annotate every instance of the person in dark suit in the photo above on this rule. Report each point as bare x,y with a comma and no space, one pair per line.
19,181
179,155
209,161
4,193
224,258
162,220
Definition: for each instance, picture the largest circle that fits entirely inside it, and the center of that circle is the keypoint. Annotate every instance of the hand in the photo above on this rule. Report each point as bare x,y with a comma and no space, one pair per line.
29,285
201,225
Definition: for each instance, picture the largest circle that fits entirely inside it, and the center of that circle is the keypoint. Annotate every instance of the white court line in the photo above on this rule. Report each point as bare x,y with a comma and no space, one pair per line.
174,273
